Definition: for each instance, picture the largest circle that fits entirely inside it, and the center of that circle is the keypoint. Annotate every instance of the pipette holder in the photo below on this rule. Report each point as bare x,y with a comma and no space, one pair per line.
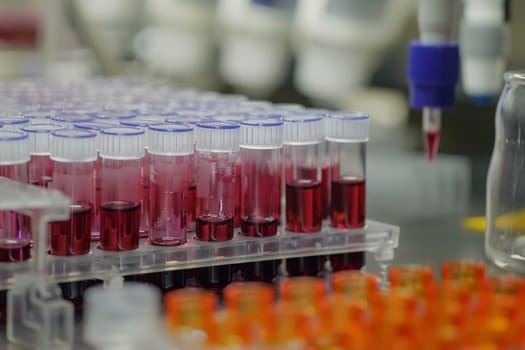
37,316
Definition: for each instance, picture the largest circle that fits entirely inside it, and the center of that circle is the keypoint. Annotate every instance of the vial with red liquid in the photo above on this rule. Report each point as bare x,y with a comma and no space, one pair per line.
121,153
216,145
346,136
170,148
302,156
74,153
40,164
95,126
15,235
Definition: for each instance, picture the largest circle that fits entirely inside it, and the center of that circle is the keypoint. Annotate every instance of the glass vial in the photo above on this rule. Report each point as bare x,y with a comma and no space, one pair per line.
74,153
170,148
122,149
260,155
40,164
217,144
15,233
302,155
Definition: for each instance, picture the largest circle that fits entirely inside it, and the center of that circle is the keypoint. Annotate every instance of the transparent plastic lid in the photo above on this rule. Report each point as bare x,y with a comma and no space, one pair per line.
262,133
93,125
71,118
142,122
73,145
39,135
347,127
122,142
170,139
14,147
14,122
217,136
231,117
303,129
114,115
121,316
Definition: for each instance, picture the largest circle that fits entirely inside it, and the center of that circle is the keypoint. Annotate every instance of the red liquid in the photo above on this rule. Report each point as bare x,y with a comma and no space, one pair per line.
348,203
192,203
325,190
214,228
238,193
119,225
165,281
73,236
305,266
144,205
260,271
40,170
167,216
259,227
95,225
303,206
214,277
432,144
347,261
14,250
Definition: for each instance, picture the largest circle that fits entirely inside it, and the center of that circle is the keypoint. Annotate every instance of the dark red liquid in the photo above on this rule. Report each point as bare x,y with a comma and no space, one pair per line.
214,277
119,225
305,266
347,261
348,203
238,192
214,228
303,206
260,271
95,226
14,250
432,144
165,281
144,205
259,227
192,203
325,190
73,236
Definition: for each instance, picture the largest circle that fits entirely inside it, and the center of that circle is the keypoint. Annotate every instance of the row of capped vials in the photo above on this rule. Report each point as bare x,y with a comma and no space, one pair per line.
145,160
465,310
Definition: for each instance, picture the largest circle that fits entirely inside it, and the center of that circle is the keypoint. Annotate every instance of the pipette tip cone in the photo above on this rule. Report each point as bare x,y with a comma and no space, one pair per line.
431,144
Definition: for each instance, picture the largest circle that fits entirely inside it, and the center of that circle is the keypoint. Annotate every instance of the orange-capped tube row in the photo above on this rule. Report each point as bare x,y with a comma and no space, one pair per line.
472,274
355,284
249,300
304,293
190,308
285,328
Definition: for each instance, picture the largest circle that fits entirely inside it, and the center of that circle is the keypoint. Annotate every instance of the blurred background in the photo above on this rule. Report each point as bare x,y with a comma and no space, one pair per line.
337,54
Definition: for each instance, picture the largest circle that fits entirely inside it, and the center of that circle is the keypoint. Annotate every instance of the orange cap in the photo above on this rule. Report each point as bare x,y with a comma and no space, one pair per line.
508,285
249,300
355,284
417,278
286,326
193,308
304,293
469,273
228,330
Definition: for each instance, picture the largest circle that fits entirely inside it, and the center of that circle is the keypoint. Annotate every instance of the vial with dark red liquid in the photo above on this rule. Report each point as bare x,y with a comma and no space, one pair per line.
170,148
121,152
73,152
346,136
302,155
95,126
216,146
15,232
40,164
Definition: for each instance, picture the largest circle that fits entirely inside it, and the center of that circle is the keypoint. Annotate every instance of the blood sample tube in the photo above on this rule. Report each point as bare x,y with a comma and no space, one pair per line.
346,136
170,148
73,152
95,126
40,165
217,144
122,149
302,159
15,233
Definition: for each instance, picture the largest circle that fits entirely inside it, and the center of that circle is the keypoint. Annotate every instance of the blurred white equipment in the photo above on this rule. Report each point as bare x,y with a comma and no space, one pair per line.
254,53
339,43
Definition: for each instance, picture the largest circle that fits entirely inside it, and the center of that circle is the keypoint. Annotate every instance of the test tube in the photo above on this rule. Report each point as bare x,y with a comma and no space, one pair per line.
40,164
170,148
122,149
73,152
302,172
39,117
217,144
15,233
14,123
346,136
